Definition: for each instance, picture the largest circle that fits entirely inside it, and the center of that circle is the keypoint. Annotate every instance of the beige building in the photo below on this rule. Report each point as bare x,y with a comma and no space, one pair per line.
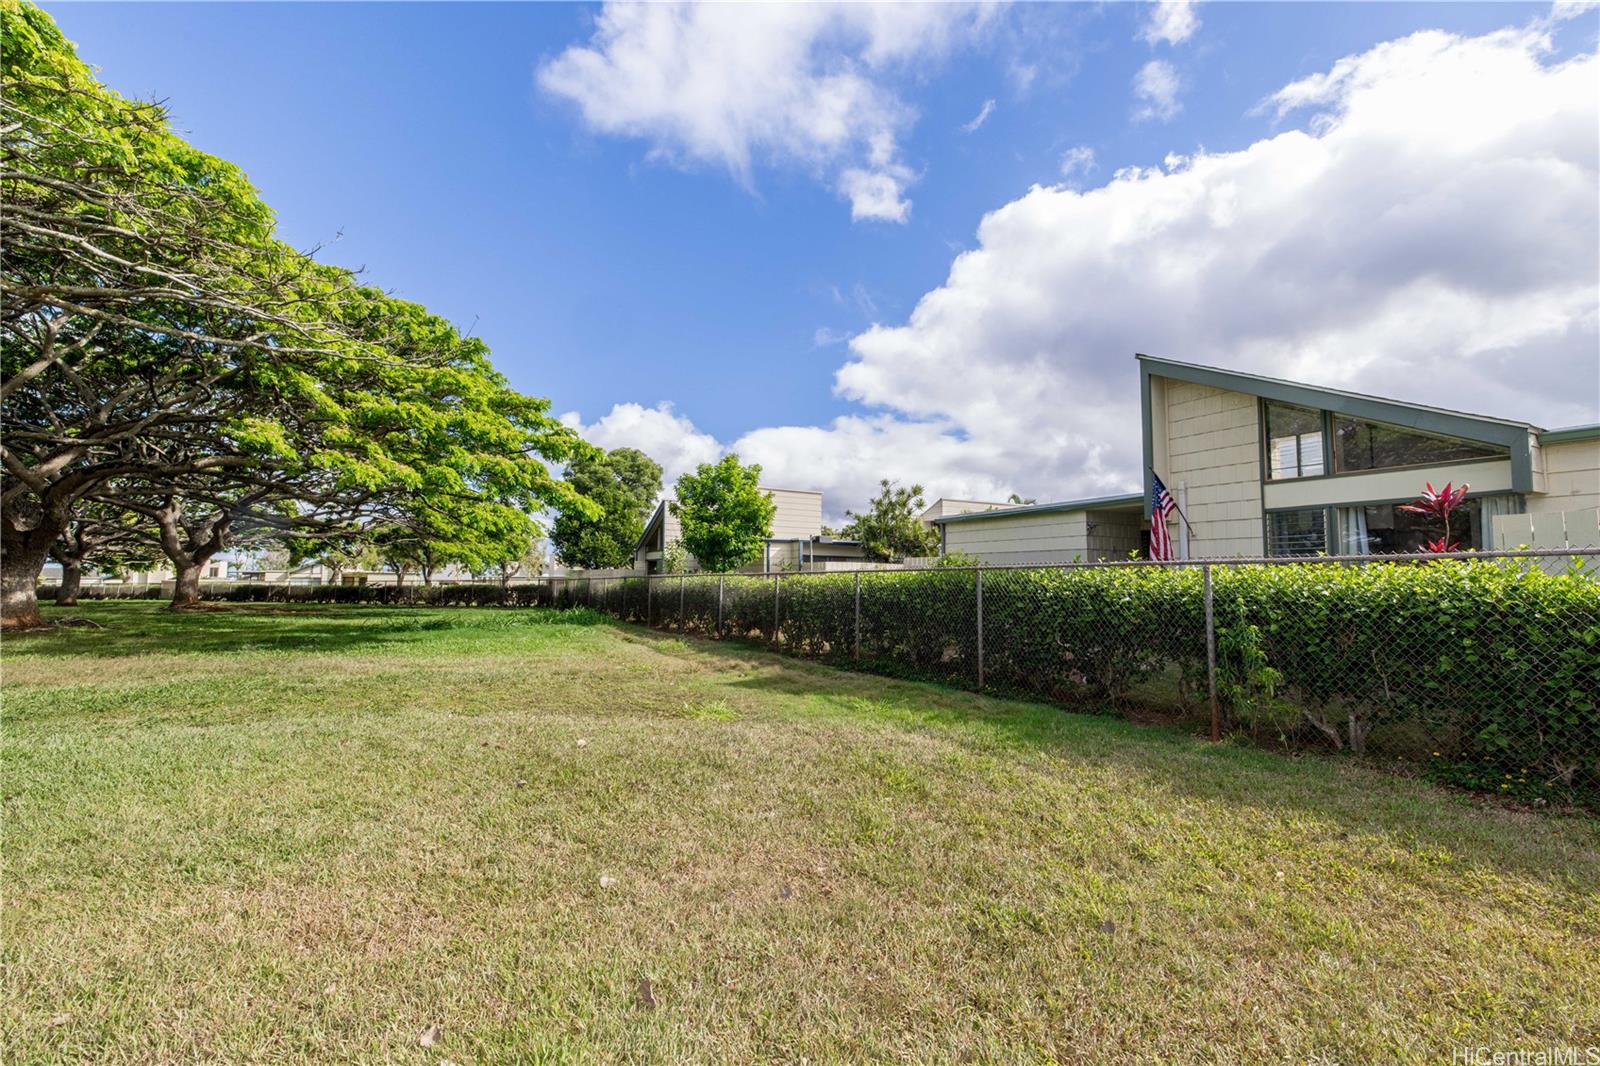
1262,466
796,543
1107,527
945,508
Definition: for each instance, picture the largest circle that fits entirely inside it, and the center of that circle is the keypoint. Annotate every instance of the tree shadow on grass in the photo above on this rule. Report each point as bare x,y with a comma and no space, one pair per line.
129,629
1353,800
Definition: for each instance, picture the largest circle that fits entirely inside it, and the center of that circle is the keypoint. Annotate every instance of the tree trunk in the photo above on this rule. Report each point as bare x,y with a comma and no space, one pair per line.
20,566
186,586
189,547
71,582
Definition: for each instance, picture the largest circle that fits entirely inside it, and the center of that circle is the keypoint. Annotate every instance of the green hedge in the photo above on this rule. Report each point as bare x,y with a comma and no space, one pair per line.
1488,662
1465,662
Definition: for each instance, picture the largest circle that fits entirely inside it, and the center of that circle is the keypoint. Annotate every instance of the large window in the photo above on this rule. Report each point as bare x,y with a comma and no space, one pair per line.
1386,529
1360,445
1294,442
1297,532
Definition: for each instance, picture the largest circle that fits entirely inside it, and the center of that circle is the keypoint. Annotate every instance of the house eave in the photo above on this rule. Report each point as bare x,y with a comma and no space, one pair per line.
1516,437
1122,500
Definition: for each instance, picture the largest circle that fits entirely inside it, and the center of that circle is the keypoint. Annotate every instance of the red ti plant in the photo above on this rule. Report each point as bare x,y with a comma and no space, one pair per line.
1439,503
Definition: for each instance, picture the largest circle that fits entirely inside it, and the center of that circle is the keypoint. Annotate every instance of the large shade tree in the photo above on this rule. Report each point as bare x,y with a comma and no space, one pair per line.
624,484
157,341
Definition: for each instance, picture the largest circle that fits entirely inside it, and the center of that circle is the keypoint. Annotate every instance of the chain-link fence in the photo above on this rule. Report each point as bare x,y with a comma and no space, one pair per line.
1482,669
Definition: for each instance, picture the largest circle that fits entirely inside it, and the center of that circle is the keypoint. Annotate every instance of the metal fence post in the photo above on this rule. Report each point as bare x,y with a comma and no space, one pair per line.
720,580
977,584
1211,654
858,616
681,579
774,611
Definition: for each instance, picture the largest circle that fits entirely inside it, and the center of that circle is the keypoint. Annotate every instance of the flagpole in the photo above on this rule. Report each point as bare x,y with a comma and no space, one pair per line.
1175,506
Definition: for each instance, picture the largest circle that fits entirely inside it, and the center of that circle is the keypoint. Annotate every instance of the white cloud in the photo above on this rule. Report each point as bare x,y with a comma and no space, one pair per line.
1562,10
736,85
1172,21
875,194
1432,235
1156,86
659,432
1077,162
845,459
980,118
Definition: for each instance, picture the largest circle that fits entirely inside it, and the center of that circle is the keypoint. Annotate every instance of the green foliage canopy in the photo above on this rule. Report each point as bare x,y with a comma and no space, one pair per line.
157,338
725,515
890,528
623,484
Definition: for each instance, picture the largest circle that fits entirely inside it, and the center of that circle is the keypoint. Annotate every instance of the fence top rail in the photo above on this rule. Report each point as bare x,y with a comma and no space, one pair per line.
1590,553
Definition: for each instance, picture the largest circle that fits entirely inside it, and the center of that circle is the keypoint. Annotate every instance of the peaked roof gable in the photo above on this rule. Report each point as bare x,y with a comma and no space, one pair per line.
1517,437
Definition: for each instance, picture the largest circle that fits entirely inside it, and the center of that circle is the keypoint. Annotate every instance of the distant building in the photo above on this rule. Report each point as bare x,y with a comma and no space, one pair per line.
219,568
943,508
796,543
1105,527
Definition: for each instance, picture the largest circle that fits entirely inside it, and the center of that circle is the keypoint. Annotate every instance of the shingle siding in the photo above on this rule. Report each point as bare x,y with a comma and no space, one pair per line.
1213,450
1571,477
1038,538
798,514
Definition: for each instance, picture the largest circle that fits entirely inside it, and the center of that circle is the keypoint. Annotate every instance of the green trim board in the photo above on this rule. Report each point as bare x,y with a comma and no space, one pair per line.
1396,412
1149,434
1570,434
1516,437
1122,501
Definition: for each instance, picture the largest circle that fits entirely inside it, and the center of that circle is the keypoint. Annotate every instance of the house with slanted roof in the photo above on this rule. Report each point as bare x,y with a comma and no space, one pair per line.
1265,467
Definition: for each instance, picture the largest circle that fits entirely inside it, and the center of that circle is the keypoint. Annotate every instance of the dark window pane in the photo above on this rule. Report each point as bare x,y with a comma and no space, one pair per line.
1393,530
1297,532
1362,445
1294,442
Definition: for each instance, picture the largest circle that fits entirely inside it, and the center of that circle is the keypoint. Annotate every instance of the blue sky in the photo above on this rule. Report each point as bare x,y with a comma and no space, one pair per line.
609,258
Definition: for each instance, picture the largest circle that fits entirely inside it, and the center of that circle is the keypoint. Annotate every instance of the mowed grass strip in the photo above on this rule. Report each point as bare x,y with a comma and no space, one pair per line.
297,835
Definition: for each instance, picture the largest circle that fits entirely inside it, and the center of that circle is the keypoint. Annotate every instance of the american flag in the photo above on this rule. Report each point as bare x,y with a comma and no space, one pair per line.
1161,505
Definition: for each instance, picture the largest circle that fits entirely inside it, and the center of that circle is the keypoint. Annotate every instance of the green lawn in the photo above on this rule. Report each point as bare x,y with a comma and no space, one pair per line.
269,834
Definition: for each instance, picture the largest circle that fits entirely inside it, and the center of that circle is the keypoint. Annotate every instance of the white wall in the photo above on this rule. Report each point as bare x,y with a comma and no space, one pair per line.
1548,529
1566,514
